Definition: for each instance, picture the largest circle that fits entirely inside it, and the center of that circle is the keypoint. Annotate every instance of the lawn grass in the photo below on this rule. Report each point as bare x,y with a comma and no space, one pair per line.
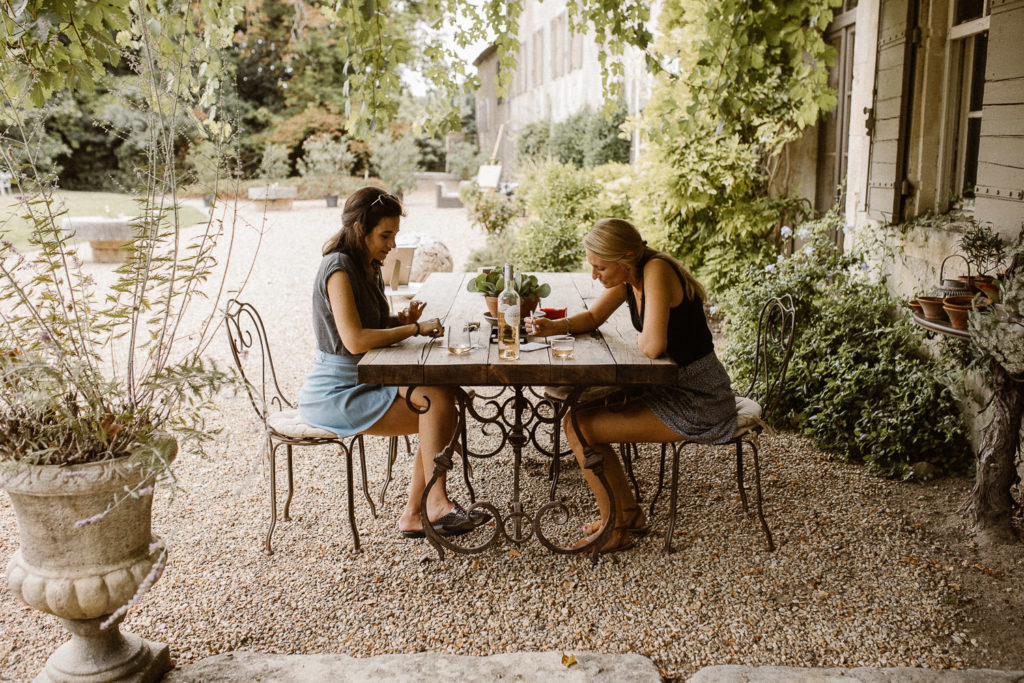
16,229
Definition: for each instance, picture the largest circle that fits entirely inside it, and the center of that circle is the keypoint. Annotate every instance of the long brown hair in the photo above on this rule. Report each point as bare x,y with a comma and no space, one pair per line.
364,209
616,240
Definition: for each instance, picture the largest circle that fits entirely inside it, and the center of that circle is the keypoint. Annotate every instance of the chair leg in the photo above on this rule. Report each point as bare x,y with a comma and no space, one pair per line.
271,453
392,456
366,483
350,490
628,450
467,473
291,485
661,479
760,509
555,467
673,498
739,474
408,446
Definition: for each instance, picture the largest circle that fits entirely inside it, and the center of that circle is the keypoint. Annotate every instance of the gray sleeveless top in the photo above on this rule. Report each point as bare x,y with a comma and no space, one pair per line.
368,290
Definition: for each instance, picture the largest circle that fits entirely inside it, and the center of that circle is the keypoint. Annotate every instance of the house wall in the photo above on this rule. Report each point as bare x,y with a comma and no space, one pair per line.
558,74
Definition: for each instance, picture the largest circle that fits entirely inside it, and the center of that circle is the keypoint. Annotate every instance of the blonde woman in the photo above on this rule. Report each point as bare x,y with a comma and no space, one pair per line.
666,304
352,316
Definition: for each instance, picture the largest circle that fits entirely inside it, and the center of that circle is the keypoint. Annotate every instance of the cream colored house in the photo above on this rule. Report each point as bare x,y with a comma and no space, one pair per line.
930,117
557,75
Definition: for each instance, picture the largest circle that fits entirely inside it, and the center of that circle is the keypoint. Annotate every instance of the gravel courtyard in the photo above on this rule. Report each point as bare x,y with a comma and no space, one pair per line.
868,572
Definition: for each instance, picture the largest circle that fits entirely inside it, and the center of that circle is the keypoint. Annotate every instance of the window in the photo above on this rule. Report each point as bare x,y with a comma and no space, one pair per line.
968,49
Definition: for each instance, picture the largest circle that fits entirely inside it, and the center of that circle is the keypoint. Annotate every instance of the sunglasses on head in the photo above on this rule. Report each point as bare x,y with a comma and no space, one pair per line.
382,196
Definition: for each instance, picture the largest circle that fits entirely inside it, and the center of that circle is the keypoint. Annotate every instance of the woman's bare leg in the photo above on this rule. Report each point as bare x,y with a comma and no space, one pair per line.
601,428
435,427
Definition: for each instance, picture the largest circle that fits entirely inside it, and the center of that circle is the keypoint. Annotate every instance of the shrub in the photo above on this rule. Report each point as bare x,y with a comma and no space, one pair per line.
859,381
561,203
603,142
464,160
495,253
532,144
396,160
324,162
492,211
568,139
207,164
275,163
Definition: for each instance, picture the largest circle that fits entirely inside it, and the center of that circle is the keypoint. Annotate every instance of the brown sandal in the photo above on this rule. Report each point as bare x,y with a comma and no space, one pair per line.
594,527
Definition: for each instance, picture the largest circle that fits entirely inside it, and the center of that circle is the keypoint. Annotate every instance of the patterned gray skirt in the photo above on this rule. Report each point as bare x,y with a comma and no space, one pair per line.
700,406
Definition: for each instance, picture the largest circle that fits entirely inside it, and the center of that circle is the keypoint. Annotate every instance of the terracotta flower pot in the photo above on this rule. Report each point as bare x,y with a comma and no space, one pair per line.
492,305
932,306
958,308
916,307
990,289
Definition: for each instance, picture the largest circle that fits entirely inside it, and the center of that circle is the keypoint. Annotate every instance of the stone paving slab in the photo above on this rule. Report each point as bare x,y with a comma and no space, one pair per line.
523,666
787,674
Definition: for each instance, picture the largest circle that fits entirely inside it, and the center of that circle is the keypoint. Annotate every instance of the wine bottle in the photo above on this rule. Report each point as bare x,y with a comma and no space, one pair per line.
508,319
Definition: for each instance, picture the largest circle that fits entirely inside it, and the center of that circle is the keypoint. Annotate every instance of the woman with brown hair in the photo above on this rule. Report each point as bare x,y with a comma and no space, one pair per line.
351,316
666,304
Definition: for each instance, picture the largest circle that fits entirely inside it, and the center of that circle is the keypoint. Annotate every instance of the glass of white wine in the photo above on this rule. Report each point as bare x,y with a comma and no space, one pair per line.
460,341
562,346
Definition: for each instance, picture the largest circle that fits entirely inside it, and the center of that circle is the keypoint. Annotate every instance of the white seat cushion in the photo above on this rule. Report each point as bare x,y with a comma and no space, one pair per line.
748,414
288,423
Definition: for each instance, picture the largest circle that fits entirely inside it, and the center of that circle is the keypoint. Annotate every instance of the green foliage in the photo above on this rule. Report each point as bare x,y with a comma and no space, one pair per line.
489,284
585,139
492,211
464,160
529,287
999,332
88,372
859,382
207,163
325,162
275,163
983,247
532,143
745,80
494,253
396,160
561,203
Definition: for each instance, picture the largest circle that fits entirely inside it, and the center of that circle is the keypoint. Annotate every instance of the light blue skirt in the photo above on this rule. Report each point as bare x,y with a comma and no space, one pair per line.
333,399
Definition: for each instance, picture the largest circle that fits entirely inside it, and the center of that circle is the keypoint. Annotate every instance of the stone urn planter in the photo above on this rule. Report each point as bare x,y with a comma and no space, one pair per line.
332,200
84,572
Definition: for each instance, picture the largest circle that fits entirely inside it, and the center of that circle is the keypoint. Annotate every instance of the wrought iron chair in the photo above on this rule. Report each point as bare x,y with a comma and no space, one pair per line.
280,417
772,351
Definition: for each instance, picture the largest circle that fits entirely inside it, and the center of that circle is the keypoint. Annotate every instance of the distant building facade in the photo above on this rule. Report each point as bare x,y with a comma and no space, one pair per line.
558,74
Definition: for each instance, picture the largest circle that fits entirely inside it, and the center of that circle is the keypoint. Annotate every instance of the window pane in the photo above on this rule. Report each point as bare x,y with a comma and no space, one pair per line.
978,71
850,4
971,156
968,9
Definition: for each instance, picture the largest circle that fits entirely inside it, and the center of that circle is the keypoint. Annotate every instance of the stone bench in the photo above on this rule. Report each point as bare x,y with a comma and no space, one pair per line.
108,237
447,200
274,197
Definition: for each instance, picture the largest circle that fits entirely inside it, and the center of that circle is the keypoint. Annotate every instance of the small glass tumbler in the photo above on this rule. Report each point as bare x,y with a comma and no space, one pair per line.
562,346
460,341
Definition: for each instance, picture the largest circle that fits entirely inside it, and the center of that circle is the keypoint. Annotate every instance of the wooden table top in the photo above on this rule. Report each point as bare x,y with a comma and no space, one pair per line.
608,356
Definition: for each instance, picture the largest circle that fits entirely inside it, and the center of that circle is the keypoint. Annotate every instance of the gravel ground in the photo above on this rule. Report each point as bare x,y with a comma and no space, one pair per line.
859,577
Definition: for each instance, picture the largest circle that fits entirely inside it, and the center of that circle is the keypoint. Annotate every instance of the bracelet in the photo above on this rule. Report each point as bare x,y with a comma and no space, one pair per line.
418,332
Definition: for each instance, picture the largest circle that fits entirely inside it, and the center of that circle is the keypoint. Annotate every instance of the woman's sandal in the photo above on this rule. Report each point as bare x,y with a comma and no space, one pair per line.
594,527
630,542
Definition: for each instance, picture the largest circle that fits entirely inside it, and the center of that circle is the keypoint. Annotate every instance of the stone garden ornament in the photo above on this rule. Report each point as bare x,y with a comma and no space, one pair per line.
100,383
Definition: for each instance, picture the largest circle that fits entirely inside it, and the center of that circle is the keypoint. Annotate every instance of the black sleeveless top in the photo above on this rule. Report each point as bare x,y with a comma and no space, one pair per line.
688,335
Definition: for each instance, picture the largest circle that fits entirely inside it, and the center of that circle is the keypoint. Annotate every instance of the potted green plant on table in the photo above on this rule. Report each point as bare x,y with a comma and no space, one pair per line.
324,163
491,283
103,374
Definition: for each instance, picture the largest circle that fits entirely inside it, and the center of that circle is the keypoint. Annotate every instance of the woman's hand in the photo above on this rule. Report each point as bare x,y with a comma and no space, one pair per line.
431,328
412,313
542,327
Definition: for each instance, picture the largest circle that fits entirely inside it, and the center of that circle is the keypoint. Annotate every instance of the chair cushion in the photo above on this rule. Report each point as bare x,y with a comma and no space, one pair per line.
748,414
288,423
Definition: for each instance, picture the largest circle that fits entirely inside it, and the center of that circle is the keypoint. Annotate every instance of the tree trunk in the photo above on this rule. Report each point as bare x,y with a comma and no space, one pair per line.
991,506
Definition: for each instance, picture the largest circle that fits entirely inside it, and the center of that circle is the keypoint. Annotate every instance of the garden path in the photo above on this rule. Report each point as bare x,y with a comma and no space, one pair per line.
868,572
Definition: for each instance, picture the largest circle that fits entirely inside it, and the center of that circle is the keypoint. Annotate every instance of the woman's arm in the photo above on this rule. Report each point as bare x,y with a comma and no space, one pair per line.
356,338
662,291
588,320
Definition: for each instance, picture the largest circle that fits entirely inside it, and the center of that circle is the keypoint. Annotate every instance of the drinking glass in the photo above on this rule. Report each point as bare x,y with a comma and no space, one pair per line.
460,341
562,346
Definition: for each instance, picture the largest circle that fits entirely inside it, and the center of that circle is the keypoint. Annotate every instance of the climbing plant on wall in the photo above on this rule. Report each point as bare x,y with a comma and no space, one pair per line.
739,81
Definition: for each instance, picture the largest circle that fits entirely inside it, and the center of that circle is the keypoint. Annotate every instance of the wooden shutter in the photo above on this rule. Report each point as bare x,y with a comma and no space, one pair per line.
999,195
889,113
